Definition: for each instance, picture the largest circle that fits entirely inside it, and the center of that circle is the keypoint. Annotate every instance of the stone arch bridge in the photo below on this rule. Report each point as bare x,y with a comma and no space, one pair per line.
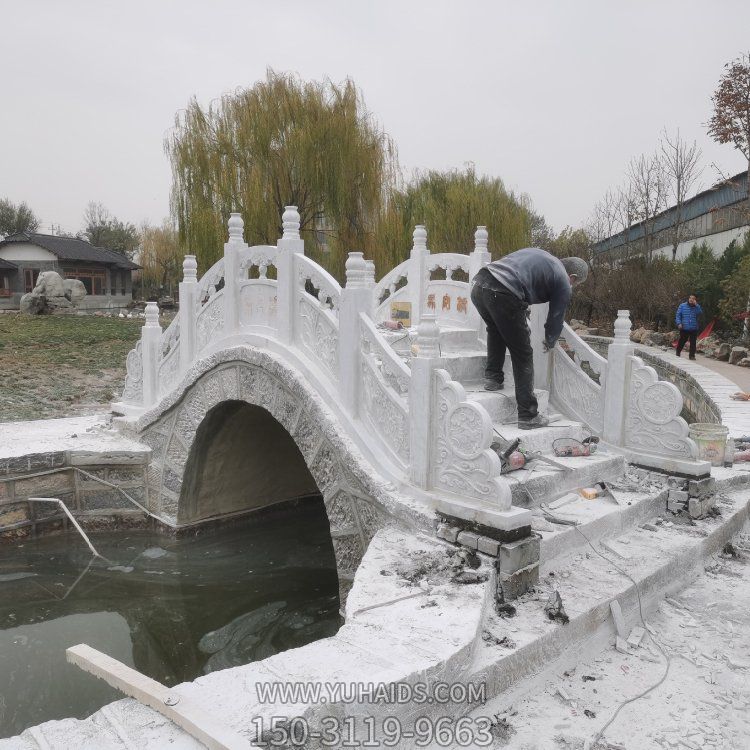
274,383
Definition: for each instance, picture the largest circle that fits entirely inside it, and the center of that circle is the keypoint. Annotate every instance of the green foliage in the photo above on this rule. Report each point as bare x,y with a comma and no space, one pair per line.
16,218
451,205
104,230
282,142
736,290
700,273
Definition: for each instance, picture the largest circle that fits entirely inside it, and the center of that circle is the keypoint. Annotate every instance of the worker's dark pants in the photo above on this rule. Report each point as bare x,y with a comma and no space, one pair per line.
684,336
507,328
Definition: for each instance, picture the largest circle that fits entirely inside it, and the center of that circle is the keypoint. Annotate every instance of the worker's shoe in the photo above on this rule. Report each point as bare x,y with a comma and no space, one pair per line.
535,422
693,358
493,385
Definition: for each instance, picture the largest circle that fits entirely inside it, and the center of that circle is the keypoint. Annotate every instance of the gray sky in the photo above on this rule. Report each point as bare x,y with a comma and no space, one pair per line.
553,97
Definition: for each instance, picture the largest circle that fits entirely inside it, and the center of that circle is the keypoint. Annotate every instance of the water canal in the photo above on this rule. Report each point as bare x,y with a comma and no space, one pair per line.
173,608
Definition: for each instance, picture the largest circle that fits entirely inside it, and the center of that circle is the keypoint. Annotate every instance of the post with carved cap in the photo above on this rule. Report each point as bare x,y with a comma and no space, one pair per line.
356,297
188,294
479,257
151,353
421,399
289,246
416,275
231,297
617,383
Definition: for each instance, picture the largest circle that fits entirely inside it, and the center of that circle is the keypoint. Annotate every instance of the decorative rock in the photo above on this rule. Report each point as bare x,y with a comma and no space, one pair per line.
744,362
31,304
723,351
652,338
75,291
638,334
737,354
49,284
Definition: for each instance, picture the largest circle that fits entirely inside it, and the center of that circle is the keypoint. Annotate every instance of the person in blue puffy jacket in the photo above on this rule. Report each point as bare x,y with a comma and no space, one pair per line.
687,322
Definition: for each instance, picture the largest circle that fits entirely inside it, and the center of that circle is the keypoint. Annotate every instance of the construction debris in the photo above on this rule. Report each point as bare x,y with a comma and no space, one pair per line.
614,607
554,608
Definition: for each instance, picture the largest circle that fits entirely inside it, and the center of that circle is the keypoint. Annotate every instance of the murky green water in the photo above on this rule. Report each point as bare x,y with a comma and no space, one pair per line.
173,609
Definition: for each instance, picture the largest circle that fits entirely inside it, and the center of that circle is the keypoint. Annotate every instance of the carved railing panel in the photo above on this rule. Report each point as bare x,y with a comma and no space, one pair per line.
328,291
132,392
169,370
392,368
171,337
653,423
210,320
261,257
316,331
211,282
464,464
593,364
385,410
390,283
449,262
258,303
576,392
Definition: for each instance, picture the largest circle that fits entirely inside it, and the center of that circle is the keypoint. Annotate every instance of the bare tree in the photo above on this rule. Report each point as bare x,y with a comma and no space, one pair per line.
681,165
647,180
730,122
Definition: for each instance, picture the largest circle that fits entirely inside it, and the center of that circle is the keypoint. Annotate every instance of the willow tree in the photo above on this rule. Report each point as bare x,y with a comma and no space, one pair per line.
451,204
282,142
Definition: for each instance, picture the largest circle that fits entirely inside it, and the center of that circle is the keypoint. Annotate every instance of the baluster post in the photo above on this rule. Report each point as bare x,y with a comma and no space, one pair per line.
289,245
479,257
187,313
416,275
421,401
617,384
355,299
151,353
231,274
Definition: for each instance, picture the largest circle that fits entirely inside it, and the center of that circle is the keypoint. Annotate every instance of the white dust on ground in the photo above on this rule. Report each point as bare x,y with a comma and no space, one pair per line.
701,705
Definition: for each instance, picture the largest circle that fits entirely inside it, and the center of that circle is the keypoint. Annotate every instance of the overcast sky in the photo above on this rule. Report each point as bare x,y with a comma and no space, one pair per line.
553,97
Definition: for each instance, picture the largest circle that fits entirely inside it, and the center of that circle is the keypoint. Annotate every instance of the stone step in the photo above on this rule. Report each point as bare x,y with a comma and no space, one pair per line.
466,367
541,483
541,439
501,405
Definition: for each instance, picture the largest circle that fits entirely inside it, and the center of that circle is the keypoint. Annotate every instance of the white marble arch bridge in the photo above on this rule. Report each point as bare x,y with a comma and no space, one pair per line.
288,375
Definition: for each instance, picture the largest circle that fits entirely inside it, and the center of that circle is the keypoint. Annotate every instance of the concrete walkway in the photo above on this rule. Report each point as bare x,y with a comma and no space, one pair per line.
719,380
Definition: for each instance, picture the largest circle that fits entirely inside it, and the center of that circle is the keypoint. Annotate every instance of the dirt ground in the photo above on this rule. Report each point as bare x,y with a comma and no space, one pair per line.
62,366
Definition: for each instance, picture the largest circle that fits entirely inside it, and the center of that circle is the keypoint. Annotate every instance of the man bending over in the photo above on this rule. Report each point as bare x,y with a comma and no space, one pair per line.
502,293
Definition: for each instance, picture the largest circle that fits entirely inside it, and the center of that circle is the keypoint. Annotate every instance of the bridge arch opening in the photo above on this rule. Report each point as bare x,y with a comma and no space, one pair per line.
242,460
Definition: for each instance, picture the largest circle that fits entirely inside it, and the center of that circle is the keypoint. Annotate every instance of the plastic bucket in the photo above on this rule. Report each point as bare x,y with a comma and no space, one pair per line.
711,440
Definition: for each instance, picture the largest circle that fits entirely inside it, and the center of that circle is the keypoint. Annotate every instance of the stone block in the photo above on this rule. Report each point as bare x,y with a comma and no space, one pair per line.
448,533
701,487
516,584
6,491
514,556
48,485
468,539
13,514
488,546
104,499
696,508
736,354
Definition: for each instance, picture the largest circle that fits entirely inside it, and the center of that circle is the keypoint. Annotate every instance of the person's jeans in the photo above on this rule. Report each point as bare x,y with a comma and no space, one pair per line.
505,316
684,336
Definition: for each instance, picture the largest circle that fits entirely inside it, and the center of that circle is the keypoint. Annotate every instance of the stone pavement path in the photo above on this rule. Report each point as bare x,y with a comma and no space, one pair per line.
702,704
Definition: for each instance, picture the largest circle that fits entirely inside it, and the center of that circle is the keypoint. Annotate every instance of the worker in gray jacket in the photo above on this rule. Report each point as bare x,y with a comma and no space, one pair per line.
502,293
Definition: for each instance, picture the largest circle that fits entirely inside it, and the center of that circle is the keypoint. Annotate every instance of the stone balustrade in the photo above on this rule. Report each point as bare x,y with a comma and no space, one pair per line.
416,415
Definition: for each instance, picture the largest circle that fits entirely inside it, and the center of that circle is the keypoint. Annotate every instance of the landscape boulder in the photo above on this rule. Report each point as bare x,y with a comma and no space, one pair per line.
652,338
671,337
708,344
49,296
744,362
75,291
638,334
737,354
723,351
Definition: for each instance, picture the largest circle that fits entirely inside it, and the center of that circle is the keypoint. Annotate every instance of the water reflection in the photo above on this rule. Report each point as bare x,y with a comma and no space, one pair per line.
173,609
